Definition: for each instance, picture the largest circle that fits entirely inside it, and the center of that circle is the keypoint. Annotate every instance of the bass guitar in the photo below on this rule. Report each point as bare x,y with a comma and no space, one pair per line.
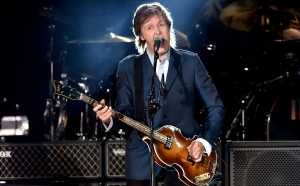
170,146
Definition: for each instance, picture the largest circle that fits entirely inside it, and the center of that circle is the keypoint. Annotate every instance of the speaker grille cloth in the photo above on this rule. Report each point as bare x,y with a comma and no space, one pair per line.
115,184
265,167
115,159
123,184
50,160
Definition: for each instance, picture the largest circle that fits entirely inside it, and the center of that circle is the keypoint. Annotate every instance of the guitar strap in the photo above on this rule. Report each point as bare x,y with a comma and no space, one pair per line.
139,88
139,93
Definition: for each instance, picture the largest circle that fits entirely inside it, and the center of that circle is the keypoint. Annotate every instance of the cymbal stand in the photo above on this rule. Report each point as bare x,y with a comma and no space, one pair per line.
62,121
80,134
241,114
244,107
243,129
62,103
85,114
95,130
268,116
50,101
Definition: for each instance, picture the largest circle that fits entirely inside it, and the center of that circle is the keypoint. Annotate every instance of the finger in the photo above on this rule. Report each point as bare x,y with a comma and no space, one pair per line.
190,147
99,106
195,150
198,159
196,156
102,102
107,113
101,112
195,153
105,118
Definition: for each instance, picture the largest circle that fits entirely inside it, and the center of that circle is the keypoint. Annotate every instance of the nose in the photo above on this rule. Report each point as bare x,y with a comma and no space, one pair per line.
157,30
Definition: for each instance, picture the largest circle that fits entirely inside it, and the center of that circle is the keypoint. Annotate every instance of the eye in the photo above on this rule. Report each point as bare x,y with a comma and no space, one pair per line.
162,24
149,27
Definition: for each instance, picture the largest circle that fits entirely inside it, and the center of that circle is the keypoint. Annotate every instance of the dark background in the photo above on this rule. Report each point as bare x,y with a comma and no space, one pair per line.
248,66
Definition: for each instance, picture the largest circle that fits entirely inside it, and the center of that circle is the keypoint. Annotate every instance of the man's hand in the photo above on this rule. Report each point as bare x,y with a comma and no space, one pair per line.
103,112
196,149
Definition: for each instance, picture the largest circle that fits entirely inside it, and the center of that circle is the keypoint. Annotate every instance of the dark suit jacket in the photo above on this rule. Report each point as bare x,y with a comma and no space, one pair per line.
188,85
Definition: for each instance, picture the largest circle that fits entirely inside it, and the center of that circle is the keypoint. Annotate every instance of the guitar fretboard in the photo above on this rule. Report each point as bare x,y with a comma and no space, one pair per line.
127,120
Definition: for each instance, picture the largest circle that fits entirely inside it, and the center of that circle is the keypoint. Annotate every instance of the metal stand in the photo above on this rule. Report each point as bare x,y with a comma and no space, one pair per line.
153,107
49,112
62,103
81,135
245,104
85,120
241,114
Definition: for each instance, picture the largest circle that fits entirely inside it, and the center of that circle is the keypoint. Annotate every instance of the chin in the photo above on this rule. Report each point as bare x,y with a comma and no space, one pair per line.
163,50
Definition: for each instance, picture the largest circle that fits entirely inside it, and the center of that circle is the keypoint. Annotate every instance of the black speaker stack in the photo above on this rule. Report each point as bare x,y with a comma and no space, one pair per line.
114,169
79,163
262,163
114,166
244,163
93,162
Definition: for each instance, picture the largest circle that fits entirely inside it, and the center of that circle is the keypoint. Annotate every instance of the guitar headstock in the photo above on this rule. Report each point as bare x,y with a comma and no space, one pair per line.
65,91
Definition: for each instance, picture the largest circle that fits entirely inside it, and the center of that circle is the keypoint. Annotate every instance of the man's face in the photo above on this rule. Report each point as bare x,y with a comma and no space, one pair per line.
156,26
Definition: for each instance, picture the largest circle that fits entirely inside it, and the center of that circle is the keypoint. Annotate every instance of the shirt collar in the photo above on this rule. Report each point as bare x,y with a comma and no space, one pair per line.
165,58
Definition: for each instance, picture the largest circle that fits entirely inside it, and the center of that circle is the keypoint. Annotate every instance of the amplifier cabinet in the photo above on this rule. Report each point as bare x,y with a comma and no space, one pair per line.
115,158
124,183
262,163
115,183
50,160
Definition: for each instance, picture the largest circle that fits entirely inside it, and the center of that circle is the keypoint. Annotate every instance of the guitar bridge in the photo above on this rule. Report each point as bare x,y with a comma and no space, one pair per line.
201,177
168,143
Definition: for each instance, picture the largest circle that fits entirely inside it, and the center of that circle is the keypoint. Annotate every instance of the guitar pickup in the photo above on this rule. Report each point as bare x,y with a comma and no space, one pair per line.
168,143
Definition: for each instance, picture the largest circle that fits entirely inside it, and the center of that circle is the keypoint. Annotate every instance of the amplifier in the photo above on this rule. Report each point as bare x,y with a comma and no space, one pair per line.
116,183
262,163
120,183
57,160
115,158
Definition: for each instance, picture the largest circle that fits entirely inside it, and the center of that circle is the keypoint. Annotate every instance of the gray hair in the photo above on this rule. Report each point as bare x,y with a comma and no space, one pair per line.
142,14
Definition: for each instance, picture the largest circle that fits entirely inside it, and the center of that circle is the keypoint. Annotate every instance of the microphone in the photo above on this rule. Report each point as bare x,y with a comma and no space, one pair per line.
157,43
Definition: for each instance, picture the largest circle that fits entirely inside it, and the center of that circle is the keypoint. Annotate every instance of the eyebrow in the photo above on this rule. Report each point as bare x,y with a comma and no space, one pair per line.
160,21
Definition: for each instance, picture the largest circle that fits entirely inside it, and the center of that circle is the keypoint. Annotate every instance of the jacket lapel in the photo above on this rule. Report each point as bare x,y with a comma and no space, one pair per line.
174,70
175,66
147,73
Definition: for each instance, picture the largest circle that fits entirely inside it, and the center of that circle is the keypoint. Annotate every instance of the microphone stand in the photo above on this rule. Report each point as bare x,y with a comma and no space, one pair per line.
153,106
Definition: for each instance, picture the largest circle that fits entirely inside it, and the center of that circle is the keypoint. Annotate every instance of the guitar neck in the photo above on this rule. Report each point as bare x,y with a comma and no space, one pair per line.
127,120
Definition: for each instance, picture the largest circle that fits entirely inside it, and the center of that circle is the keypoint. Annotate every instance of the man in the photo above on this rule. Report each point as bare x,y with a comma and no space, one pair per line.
180,87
